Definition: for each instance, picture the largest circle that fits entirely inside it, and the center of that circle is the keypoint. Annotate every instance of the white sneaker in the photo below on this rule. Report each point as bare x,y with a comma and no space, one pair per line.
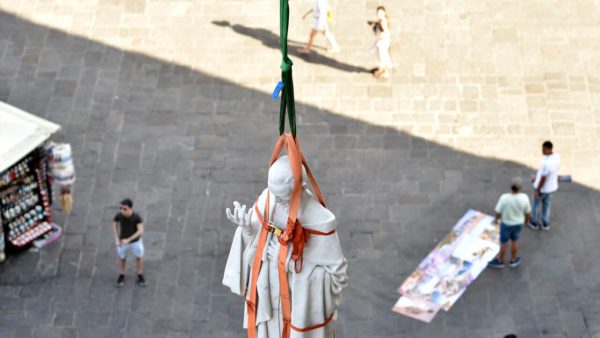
533,226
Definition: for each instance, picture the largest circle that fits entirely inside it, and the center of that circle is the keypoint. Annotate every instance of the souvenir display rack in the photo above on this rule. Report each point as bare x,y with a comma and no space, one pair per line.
25,199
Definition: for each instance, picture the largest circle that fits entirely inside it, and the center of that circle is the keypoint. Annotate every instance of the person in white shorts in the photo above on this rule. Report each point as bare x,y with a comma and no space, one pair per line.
128,228
320,11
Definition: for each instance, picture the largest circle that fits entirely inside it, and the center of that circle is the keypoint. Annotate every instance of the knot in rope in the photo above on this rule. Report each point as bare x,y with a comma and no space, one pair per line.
286,64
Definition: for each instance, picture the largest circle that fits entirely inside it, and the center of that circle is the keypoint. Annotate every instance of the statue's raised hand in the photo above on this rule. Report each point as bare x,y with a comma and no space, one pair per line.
240,217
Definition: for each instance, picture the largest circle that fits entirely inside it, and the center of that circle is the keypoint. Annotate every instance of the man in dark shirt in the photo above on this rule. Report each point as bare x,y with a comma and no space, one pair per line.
128,228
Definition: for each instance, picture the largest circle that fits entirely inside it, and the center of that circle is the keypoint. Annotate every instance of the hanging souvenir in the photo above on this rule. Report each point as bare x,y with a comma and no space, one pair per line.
63,173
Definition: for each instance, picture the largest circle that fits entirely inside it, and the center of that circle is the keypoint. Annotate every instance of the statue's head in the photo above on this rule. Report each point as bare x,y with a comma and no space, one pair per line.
281,178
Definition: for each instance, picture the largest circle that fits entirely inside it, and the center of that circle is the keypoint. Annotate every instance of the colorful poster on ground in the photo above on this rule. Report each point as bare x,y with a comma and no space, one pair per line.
456,261
415,310
474,249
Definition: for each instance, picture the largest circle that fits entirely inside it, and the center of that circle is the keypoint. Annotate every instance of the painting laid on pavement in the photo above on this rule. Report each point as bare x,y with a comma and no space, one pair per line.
456,261
416,310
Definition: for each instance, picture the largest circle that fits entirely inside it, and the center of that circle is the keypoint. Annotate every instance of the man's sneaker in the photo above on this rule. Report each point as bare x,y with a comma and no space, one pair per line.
140,280
120,280
496,264
545,226
515,262
533,226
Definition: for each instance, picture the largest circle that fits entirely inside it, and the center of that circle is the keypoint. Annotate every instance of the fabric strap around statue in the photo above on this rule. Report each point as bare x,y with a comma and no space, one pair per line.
284,293
256,265
294,233
285,139
314,327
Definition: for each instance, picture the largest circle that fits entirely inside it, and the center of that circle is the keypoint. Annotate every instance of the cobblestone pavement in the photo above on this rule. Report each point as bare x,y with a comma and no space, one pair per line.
488,78
168,103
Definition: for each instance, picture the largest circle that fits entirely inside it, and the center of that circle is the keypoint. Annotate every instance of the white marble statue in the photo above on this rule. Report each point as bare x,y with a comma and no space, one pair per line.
316,289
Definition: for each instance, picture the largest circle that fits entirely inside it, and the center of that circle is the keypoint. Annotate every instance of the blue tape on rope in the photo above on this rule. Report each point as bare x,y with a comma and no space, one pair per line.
277,90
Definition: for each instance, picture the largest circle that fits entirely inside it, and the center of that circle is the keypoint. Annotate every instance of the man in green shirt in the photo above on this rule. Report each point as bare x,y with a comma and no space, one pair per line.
513,210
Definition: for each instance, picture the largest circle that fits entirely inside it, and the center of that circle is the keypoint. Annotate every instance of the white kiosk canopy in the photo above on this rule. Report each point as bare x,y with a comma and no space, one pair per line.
20,133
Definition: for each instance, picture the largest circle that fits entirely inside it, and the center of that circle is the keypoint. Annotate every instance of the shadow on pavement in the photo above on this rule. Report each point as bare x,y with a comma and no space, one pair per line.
184,145
271,40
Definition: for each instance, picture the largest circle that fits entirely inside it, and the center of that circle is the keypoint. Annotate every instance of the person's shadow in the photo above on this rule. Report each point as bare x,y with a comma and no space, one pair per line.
271,40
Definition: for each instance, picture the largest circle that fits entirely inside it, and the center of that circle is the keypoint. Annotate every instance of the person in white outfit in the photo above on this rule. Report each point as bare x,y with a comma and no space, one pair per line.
381,28
545,184
320,13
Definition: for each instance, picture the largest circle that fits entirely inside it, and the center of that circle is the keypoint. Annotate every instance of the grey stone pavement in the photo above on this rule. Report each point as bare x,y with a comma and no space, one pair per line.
184,144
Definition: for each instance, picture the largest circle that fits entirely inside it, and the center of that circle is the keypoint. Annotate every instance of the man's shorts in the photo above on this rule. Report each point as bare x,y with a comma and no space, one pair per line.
136,247
512,232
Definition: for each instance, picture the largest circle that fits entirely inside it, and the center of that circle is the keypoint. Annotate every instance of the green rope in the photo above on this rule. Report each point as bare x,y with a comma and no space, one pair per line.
287,95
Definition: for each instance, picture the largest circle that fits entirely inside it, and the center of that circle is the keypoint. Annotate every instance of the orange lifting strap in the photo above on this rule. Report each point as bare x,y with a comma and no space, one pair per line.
293,233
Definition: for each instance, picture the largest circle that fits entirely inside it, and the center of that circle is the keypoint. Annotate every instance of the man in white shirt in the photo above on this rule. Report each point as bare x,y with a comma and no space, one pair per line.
544,185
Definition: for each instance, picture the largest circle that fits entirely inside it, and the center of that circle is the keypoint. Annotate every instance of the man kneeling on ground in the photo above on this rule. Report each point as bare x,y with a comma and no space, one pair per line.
514,210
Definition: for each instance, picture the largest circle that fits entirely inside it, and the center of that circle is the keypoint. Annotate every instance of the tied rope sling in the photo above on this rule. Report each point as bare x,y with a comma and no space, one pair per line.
294,233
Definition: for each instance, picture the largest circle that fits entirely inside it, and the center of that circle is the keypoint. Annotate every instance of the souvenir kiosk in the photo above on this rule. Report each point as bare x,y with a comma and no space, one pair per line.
25,183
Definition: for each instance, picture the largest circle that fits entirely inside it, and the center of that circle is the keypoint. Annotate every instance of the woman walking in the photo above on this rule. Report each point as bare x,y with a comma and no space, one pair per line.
320,12
381,28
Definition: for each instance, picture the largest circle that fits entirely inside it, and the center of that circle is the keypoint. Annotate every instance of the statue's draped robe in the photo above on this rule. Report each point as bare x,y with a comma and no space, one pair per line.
315,291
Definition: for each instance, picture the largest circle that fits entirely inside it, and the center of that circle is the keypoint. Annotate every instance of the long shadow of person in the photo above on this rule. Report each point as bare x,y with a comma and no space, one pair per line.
271,40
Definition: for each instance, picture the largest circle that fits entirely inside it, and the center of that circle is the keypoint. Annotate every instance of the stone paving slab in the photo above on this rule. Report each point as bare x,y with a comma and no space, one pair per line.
184,142
491,79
